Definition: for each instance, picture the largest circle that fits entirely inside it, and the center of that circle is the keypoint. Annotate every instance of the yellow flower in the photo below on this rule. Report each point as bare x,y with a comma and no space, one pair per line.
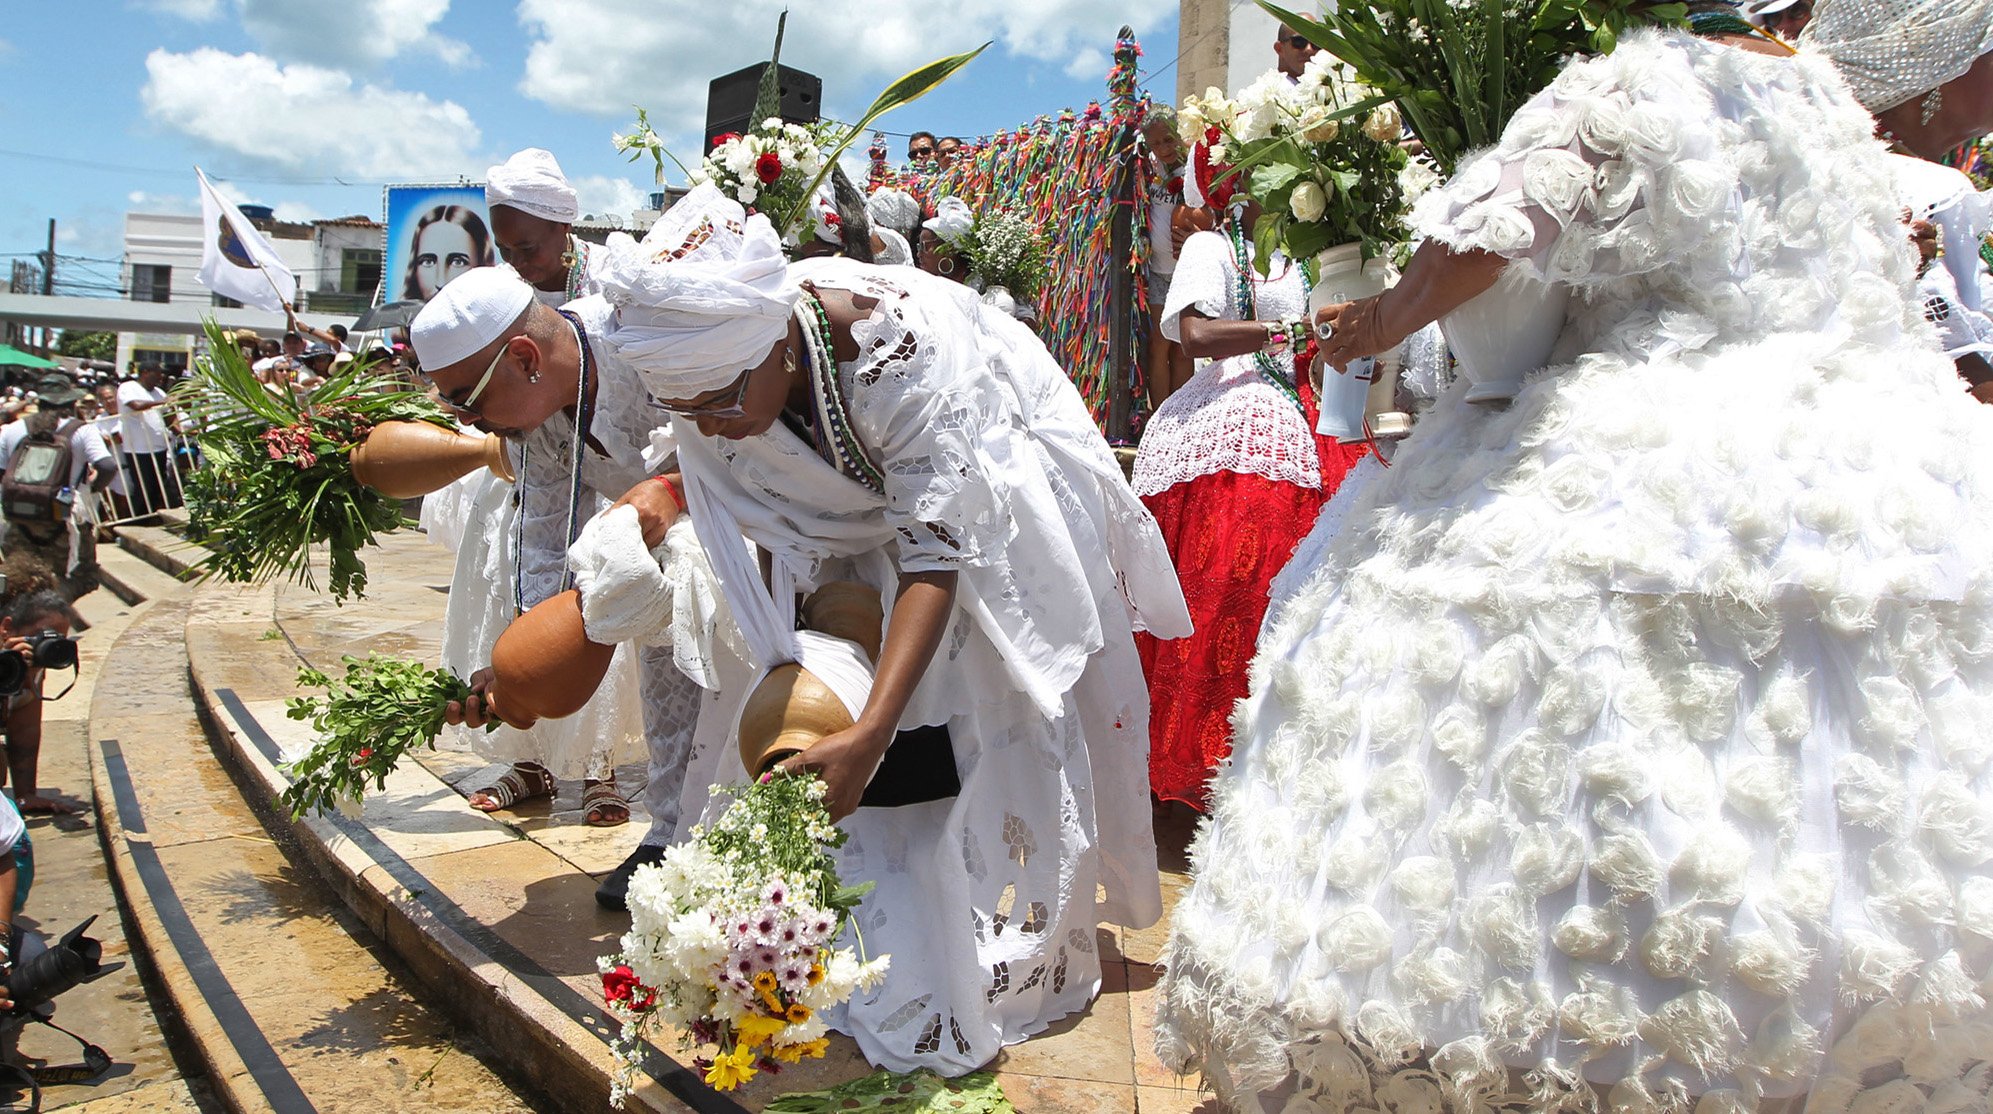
789,1053
798,1013
755,1029
765,982
816,973
731,1070
773,1003
816,1048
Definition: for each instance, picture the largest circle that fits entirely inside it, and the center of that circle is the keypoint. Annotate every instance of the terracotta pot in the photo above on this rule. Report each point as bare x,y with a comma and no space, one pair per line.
545,666
790,710
405,459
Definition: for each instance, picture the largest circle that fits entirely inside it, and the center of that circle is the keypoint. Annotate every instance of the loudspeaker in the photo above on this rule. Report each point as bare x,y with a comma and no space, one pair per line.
730,99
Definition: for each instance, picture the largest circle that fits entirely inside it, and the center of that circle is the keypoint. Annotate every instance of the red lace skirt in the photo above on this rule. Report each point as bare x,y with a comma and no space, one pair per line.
1229,534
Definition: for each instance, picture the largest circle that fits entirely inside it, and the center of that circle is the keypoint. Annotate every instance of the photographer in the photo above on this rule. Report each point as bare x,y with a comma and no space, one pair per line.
34,632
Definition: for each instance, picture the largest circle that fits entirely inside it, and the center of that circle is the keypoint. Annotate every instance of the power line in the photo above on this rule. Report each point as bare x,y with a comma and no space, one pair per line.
91,164
1184,48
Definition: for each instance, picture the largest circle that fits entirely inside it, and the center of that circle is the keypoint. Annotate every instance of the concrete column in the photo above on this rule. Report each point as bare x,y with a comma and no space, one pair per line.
1204,36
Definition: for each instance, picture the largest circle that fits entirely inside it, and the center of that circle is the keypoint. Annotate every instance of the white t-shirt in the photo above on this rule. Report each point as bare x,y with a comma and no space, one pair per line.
109,429
85,448
145,430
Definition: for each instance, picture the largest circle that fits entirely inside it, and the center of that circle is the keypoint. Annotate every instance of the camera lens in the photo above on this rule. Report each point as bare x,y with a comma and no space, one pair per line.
54,651
13,672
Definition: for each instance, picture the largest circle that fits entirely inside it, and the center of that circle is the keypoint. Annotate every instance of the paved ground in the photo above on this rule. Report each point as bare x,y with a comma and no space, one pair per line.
531,881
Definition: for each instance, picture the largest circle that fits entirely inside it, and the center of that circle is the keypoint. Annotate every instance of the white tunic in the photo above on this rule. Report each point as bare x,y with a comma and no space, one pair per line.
1640,733
986,901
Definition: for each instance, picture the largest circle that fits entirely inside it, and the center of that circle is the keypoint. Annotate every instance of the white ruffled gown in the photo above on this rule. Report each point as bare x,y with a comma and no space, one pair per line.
1638,734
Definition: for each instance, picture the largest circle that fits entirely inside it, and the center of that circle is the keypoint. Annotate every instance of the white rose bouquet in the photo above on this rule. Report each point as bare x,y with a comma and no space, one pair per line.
732,938
1319,154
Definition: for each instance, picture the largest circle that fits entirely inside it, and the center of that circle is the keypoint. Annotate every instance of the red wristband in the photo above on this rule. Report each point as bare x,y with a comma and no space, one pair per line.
673,489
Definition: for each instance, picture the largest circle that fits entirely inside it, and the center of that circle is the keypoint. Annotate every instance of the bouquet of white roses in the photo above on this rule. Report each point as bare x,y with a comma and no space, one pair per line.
732,937
1319,154
768,170
1459,69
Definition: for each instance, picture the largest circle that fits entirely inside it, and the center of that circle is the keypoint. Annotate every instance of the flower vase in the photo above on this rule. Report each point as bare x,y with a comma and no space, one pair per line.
791,709
1504,333
405,459
1358,403
544,665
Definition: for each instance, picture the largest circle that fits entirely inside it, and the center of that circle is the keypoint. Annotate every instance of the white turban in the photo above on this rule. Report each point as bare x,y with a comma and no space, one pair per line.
471,311
531,182
951,221
824,215
896,209
1893,50
897,251
703,298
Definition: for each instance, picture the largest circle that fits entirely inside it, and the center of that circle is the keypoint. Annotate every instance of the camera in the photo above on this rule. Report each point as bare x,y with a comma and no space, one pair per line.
46,650
68,963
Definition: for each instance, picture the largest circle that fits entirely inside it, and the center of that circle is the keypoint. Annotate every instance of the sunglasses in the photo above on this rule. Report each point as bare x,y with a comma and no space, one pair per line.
735,409
1299,42
468,407
922,152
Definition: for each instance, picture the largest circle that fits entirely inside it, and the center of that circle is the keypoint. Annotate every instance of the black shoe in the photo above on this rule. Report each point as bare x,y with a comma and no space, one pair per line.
611,893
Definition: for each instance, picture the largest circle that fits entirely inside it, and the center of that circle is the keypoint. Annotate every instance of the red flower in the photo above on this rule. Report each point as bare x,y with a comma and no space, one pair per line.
1176,186
768,168
723,140
619,984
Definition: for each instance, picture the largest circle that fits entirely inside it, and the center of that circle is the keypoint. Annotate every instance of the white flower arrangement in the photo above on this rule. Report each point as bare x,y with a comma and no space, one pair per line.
732,938
766,170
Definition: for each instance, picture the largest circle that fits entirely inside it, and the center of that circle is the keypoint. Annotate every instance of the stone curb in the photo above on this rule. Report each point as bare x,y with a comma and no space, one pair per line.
510,1009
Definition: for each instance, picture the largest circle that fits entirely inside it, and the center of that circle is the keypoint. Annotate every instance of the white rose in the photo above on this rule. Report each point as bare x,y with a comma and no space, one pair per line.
1308,201
747,194
1559,181
1383,124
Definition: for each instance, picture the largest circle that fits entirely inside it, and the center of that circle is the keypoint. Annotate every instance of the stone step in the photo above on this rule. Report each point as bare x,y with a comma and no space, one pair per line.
288,1000
134,579
162,548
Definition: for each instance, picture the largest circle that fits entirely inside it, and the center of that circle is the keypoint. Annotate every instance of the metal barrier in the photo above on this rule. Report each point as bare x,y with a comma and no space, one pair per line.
146,483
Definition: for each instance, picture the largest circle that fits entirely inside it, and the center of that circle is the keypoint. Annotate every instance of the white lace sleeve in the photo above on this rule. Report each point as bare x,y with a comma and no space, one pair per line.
919,412
1205,275
1612,171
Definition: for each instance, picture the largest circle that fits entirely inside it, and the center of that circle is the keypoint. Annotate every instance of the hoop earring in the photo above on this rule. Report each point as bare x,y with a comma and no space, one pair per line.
946,266
1933,104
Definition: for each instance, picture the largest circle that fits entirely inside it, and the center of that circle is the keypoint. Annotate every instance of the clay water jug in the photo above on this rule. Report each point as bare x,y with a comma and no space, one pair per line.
544,665
791,709
405,459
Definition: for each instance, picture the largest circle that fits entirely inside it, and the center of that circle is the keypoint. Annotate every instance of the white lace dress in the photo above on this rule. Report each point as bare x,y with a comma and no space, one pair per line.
1228,418
987,901
1629,748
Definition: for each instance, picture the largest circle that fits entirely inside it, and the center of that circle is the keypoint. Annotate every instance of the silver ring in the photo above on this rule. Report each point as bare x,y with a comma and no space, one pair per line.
1324,330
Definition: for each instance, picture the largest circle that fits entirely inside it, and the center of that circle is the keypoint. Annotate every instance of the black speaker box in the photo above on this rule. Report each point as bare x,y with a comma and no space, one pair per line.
730,99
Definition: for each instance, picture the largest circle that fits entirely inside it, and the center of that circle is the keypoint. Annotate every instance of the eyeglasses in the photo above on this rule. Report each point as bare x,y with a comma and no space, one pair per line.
735,409
1299,42
468,407
921,152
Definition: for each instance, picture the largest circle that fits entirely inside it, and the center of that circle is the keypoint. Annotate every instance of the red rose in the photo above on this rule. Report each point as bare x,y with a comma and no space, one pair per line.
723,140
618,984
768,168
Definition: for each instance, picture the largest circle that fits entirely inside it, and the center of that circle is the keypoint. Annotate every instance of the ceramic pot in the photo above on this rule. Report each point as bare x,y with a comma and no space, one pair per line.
405,459
1360,402
1504,333
544,665
791,709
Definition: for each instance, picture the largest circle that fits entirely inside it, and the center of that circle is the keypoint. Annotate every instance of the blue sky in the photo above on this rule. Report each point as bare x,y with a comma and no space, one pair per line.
313,106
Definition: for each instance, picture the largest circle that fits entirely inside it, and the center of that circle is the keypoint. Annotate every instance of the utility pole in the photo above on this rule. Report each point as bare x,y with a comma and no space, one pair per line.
48,278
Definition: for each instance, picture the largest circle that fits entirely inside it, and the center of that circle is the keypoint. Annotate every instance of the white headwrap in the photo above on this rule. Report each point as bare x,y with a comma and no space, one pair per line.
1893,50
531,182
824,215
895,209
897,252
471,311
703,298
951,221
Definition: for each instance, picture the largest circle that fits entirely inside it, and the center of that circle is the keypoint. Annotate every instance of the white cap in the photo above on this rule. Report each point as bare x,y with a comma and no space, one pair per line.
532,182
951,221
471,311
1758,9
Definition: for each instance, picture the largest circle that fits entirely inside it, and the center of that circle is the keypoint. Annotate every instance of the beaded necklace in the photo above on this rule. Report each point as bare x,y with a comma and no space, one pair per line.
584,418
1268,370
831,421
578,272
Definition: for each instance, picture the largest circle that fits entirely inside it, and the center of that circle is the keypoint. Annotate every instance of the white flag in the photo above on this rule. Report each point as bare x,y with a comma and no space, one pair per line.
236,261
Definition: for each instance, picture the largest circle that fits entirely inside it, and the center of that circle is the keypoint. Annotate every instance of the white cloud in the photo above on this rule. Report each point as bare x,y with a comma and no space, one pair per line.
306,118
1091,62
609,198
198,10
599,56
144,202
296,211
366,32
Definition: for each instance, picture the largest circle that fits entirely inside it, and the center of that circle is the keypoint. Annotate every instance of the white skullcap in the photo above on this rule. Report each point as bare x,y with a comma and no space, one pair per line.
531,182
896,209
951,221
471,311
1893,50
703,298
897,251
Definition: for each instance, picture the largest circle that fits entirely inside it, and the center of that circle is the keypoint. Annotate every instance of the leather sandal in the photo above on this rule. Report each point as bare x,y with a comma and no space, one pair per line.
523,782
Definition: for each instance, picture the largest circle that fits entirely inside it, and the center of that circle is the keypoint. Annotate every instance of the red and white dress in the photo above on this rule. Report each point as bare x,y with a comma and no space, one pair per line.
1232,471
